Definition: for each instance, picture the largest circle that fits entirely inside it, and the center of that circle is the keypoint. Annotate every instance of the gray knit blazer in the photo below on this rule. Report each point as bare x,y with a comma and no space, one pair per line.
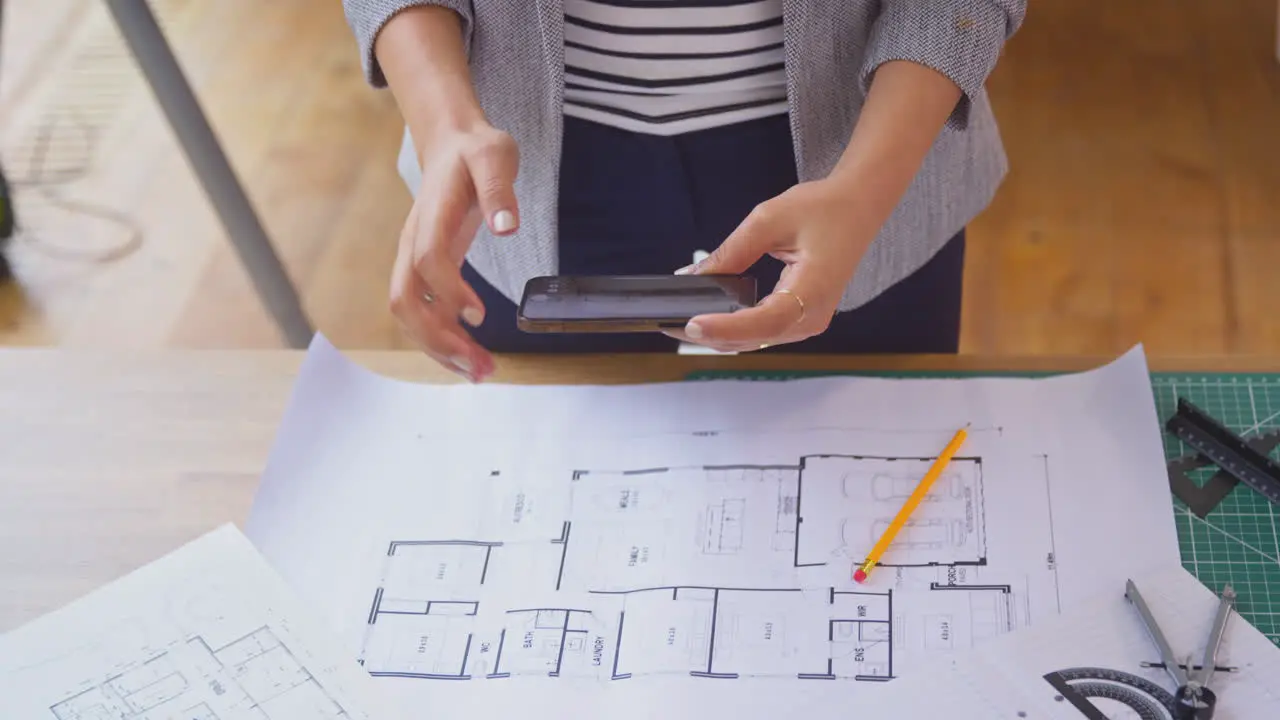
516,53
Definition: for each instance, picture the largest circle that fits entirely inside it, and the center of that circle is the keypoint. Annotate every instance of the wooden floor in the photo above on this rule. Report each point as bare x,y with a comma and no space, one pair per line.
1143,203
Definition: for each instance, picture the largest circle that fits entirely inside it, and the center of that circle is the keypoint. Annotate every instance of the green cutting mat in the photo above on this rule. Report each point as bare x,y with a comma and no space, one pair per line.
1237,543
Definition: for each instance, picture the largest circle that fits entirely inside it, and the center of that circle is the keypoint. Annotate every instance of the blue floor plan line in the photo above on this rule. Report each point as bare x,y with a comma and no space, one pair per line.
729,633
429,586
253,678
713,572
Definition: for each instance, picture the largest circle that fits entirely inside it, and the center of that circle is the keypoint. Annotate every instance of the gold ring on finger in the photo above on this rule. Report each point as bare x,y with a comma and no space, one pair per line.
799,302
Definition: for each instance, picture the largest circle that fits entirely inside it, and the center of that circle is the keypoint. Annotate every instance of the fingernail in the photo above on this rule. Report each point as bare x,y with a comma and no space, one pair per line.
693,330
503,221
473,316
462,364
686,269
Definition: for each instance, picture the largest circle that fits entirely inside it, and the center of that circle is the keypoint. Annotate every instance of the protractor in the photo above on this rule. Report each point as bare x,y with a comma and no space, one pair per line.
1105,694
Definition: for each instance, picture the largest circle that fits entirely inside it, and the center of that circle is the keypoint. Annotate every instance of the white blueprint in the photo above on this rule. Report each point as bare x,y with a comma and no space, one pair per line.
205,633
1097,658
687,548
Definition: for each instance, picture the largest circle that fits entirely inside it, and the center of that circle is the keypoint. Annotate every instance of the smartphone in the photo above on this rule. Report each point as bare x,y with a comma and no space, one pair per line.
628,303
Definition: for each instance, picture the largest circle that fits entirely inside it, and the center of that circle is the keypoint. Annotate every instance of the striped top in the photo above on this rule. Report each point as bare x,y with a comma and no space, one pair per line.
673,66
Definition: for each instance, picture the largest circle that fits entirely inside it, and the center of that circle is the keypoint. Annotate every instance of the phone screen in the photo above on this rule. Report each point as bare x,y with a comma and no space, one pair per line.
675,297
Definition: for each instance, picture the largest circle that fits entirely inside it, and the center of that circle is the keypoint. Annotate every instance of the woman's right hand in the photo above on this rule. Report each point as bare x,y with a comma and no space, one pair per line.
468,177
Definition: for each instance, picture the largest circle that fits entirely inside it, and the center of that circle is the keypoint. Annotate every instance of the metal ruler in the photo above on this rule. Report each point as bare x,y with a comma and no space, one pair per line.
1237,457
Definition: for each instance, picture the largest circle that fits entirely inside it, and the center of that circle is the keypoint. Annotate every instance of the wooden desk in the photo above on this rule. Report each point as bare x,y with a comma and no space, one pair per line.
108,461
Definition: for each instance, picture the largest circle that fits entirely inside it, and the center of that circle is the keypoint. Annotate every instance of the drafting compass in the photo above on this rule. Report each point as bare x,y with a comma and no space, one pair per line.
1193,700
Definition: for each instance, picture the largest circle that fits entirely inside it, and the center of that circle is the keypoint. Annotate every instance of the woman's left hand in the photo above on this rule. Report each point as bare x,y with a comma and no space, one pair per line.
816,229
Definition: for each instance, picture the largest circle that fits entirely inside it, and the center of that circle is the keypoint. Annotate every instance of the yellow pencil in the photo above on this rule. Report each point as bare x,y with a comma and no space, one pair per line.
912,502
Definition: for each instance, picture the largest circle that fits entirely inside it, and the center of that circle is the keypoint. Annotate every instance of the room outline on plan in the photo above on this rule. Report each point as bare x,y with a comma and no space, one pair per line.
254,677
713,571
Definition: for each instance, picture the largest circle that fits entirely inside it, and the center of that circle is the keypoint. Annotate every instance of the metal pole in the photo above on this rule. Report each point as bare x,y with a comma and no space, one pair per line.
154,56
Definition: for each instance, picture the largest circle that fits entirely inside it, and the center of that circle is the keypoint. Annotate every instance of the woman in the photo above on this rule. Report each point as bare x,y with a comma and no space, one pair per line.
835,149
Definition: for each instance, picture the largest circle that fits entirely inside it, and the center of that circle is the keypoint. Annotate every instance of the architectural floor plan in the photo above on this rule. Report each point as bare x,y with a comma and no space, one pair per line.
686,550
206,633
255,677
716,572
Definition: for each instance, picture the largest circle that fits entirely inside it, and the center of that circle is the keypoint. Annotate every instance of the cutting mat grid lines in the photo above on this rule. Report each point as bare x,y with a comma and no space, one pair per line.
1239,541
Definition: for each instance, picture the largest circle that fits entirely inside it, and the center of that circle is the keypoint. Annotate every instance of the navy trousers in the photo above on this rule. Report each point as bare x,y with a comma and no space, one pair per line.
639,204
